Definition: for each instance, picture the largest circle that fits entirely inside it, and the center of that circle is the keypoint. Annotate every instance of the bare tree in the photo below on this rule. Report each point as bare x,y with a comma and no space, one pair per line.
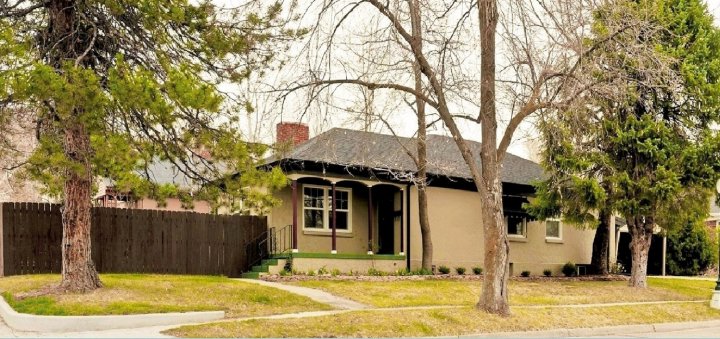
543,45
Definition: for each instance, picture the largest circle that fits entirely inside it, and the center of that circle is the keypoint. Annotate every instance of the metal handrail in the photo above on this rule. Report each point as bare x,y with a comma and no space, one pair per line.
281,239
254,249
272,241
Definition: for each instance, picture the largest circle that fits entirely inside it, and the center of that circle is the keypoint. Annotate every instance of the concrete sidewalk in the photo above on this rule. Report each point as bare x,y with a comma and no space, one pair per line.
314,294
695,329
144,332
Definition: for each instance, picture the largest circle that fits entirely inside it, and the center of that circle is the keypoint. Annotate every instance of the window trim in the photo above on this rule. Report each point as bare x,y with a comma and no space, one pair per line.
524,228
560,230
327,209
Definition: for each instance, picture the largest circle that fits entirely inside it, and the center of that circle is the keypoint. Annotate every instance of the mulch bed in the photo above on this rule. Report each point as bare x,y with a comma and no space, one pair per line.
292,278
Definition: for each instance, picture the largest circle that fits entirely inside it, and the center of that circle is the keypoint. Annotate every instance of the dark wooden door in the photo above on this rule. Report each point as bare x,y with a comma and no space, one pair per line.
386,224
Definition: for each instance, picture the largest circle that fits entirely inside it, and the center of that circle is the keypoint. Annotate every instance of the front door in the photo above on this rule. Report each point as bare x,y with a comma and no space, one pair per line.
386,223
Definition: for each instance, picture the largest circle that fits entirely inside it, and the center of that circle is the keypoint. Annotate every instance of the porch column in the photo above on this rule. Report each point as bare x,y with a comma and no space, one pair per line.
370,220
612,249
334,221
402,222
294,217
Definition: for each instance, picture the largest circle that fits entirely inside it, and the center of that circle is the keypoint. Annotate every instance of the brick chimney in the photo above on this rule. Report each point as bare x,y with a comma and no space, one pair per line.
292,133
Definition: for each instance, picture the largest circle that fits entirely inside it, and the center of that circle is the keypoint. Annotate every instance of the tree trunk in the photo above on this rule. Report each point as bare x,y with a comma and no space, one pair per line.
640,238
494,296
427,247
78,270
601,244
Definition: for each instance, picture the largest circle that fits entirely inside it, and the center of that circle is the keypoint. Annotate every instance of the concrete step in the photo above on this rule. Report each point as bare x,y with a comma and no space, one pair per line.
251,275
269,262
260,268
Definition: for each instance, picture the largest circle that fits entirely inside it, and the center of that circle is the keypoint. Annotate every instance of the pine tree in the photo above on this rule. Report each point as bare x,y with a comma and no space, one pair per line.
115,85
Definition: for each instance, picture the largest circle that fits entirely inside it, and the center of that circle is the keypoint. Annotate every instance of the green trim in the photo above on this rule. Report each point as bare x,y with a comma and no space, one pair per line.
261,268
348,256
269,262
251,275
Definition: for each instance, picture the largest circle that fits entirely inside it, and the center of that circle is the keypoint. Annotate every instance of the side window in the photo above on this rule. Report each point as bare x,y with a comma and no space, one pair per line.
516,226
552,229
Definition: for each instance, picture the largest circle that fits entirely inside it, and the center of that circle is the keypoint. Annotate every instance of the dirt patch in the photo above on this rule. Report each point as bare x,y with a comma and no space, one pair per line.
292,278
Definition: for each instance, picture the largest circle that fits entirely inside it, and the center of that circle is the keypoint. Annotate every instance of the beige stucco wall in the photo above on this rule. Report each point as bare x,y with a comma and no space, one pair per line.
347,265
457,235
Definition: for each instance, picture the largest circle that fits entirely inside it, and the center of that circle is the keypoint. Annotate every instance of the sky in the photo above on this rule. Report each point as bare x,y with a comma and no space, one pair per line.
523,143
714,6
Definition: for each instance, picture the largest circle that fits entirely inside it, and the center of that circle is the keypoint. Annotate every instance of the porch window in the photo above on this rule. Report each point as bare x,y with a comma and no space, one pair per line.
553,230
516,226
314,207
317,208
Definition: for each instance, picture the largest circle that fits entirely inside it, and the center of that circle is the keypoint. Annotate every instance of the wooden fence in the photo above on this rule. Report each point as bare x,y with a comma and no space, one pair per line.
130,240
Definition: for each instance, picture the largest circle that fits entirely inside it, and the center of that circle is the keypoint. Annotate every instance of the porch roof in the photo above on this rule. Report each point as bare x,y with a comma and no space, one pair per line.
388,153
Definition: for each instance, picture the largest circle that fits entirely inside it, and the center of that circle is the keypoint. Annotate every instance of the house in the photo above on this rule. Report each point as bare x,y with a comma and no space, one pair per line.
160,172
352,205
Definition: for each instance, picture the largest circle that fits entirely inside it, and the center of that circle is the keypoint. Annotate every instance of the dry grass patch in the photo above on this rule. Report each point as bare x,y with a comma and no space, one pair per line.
141,293
450,322
466,293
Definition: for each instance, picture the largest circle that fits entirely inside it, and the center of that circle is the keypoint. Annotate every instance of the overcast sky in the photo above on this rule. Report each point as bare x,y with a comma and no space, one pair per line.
263,123
715,9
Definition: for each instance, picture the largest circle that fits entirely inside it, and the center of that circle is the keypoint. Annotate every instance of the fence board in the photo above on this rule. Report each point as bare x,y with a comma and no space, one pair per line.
130,241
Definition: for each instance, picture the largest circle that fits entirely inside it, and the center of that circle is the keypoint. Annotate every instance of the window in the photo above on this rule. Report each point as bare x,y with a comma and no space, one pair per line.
317,208
516,226
552,229
314,207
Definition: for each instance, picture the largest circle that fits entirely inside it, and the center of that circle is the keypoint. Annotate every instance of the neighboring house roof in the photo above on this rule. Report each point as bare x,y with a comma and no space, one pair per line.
162,172
354,148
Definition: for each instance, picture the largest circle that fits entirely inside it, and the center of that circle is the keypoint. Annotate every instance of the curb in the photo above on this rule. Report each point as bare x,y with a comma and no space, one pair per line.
600,331
45,323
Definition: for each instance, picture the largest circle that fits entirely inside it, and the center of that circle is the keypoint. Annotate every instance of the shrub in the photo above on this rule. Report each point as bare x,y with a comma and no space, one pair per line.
525,274
373,271
547,272
690,250
569,269
284,273
477,270
404,272
444,270
335,272
323,271
288,265
421,271
311,273
460,270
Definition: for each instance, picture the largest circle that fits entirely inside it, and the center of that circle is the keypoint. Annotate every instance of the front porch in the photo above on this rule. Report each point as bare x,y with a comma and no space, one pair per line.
341,223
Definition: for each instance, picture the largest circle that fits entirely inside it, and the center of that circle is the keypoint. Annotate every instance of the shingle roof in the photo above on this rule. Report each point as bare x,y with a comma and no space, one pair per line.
347,147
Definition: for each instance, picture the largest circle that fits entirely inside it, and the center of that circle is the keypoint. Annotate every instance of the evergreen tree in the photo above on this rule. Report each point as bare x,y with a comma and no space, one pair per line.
115,85
641,146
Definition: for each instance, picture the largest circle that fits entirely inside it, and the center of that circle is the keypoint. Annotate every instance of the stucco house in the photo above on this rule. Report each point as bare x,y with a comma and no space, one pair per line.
352,205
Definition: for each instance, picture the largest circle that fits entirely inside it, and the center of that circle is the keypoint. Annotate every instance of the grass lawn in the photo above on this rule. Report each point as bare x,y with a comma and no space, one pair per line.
450,322
465,293
140,293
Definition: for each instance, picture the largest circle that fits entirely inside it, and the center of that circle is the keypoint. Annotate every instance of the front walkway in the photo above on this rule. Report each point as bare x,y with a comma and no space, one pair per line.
314,294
